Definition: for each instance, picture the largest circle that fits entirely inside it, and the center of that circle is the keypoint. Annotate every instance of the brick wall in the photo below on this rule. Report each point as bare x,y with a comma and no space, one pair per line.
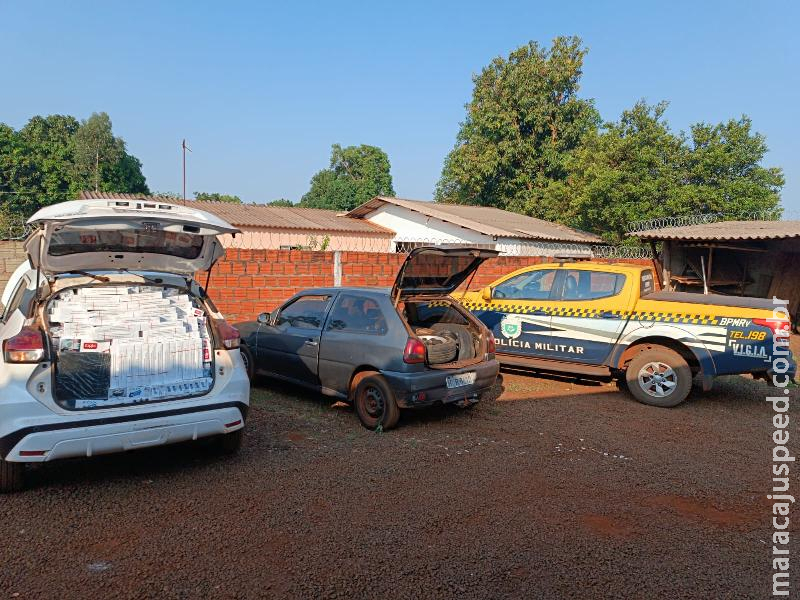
248,282
11,255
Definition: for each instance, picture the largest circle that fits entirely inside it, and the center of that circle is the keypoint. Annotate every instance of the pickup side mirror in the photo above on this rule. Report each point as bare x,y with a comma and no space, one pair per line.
486,293
264,318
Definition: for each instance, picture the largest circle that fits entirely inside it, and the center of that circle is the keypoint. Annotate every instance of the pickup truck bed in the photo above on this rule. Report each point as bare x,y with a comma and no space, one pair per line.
712,300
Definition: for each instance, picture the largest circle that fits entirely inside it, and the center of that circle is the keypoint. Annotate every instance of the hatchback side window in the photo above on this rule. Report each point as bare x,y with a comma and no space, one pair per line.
15,301
357,314
533,285
591,285
307,312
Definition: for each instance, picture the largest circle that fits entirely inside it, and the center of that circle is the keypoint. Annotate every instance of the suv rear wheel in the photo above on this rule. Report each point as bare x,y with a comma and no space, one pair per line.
375,403
230,443
11,476
659,376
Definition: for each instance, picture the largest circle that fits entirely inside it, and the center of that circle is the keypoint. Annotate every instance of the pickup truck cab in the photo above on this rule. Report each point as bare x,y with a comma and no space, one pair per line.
607,321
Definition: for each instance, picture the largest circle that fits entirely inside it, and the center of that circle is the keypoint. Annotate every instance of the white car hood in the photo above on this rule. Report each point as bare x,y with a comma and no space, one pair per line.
87,235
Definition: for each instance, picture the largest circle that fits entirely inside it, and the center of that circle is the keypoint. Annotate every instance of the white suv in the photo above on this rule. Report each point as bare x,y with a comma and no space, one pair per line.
108,342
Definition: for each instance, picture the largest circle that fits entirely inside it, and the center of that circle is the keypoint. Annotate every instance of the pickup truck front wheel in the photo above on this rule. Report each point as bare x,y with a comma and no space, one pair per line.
659,377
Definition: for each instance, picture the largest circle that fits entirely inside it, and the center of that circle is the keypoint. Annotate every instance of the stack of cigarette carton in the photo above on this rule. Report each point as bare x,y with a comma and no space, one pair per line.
157,339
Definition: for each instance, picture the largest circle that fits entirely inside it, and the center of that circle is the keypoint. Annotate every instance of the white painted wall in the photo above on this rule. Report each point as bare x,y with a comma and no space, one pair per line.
411,226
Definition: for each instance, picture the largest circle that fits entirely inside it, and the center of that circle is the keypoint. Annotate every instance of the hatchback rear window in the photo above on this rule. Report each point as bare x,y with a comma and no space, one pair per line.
140,241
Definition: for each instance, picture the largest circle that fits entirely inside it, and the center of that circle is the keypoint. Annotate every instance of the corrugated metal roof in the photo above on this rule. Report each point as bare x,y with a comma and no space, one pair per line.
725,231
484,219
268,217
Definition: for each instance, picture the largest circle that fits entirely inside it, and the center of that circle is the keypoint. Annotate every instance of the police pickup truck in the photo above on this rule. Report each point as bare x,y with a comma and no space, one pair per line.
607,321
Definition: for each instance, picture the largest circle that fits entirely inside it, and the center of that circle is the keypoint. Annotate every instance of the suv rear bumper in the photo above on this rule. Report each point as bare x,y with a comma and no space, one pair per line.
430,387
107,435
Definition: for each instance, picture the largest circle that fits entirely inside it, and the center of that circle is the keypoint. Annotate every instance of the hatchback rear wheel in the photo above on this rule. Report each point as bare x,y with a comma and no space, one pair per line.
375,403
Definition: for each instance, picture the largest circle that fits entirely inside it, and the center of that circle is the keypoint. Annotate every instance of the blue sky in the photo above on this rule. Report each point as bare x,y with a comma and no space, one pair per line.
262,90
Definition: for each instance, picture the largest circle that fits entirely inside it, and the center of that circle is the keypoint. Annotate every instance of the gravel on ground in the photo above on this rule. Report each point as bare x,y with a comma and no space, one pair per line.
559,488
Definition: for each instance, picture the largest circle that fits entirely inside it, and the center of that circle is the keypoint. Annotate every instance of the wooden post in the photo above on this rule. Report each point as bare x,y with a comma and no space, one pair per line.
666,266
710,261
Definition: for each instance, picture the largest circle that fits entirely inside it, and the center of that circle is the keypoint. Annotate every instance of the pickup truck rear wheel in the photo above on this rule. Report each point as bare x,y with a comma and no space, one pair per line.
659,377
375,403
11,476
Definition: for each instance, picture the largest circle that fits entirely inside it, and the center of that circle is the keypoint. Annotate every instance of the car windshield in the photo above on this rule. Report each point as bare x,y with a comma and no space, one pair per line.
75,241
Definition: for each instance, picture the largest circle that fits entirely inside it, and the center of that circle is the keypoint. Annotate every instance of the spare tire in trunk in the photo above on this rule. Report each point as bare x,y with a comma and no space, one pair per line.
441,349
461,334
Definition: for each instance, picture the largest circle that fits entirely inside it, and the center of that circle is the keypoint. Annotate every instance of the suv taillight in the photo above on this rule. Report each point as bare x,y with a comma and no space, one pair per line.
228,334
25,347
414,352
779,327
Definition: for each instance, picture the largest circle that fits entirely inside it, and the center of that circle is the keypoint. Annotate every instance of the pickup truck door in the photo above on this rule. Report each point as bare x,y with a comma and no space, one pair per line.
591,315
289,346
519,313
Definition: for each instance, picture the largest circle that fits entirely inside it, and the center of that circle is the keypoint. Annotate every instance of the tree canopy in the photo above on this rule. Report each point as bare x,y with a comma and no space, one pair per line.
637,168
281,202
531,145
355,175
53,158
524,120
216,197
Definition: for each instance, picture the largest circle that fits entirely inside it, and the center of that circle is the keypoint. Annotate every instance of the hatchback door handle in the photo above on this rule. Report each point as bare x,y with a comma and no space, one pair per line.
311,343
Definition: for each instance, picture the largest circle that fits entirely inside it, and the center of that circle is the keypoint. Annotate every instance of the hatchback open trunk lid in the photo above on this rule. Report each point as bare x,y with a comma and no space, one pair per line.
86,235
436,271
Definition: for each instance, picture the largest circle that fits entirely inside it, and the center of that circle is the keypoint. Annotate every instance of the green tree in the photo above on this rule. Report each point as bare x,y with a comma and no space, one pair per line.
637,168
630,170
216,197
281,202
356,174
724,171
53,158
97,151
36,163
522,124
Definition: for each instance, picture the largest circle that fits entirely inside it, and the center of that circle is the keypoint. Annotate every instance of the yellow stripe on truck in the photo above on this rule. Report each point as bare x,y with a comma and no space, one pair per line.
596,313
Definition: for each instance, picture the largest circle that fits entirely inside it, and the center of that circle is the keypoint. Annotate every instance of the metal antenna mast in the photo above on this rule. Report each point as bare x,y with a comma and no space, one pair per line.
185,148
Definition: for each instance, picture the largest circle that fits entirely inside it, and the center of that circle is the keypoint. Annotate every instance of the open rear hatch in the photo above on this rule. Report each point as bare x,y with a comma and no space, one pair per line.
117,341
91,235
435,271
428,276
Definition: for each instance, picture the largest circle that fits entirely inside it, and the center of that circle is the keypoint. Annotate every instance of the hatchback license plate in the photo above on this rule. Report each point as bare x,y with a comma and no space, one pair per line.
454,381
